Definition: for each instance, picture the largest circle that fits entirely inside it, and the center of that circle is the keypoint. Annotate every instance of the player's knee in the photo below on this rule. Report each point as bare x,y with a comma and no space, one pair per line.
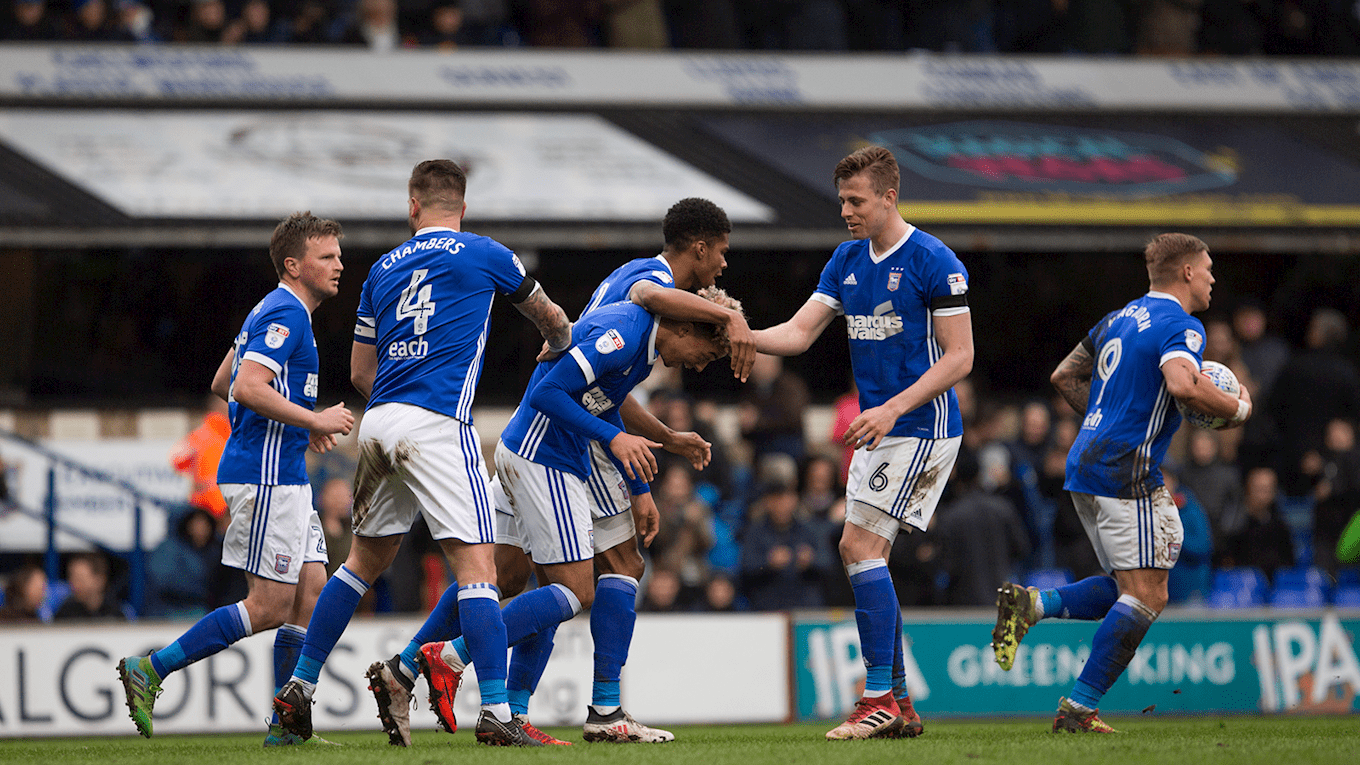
266,614
586,595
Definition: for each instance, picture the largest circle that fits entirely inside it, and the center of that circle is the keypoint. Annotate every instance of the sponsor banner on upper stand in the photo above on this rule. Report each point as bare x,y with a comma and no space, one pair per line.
1276,663
1106,170
735,80
354,164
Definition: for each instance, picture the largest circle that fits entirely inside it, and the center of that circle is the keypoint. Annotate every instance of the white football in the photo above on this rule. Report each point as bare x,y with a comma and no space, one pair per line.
1223,379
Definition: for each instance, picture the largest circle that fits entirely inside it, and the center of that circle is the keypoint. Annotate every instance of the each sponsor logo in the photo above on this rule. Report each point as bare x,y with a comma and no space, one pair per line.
276,335
418,348
609,342
281,563
1194,340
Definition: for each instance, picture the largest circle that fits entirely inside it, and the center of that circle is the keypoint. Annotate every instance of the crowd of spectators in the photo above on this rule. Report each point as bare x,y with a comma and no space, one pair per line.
758,529
1143,27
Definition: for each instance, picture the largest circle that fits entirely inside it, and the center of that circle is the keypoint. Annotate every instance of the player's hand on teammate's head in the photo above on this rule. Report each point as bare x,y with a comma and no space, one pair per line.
635,452
743,347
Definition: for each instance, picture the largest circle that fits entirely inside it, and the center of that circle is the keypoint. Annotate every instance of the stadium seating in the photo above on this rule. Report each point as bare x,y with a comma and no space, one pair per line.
1348,577
1048,578
1303,586
1347,597
1241,587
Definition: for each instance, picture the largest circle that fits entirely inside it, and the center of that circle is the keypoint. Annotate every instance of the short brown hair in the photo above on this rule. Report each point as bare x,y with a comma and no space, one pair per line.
718,332
1166,253
877,161
438,183
291,235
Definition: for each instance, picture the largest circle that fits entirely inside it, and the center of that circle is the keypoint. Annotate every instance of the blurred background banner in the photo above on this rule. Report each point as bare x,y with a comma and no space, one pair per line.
732,80
1189,663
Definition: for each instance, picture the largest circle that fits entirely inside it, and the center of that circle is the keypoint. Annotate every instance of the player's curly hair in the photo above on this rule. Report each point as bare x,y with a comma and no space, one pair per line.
1166,253
291,235
718,332
439,183
877,161
692,219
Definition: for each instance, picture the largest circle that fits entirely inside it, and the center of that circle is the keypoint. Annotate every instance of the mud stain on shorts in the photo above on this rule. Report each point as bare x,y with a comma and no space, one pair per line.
376,466
925,484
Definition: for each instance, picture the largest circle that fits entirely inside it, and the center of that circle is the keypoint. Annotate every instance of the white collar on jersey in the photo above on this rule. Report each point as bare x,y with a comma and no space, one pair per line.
290,291
880,258
669,269
428,229
651,341
1165,296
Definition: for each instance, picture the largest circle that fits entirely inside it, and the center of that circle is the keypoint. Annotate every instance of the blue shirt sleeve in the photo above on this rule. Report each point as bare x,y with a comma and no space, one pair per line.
365,323
946,282
277,333
507,273
558,395
1186,339
830,282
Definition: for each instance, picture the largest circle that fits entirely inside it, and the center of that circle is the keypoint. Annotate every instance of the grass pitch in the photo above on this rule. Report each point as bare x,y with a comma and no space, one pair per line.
1143,741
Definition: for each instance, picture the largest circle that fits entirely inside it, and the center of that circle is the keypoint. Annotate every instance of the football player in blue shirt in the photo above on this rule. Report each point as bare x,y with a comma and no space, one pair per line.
696,234
545,467
904,297
423,321
1126,376
269,379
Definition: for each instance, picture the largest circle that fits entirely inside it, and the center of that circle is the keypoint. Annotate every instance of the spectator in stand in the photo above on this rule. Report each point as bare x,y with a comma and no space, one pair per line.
334,501
25,594
917,567
558,23
1215,482
1072,547
1316,386
445,27
819,485
982,540
1337,491
1264,355
88,575
772,415
254,26
92,22
180,571
137,20
720,595
31,20
198,454
661,591
1264,540
376,26
783,558
309,22
683,542
207,23
1192,576
846,409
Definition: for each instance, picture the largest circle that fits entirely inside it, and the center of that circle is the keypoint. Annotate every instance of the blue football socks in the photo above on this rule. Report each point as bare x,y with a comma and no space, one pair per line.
331,614
612,618
899,670
878,617
484,639
1112,648
209,635
288,641
527,662
1089,599
441,624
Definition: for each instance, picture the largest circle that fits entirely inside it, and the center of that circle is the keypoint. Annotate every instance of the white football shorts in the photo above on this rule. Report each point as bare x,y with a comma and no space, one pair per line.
412,460
551,509
900,482
273,530
1130,534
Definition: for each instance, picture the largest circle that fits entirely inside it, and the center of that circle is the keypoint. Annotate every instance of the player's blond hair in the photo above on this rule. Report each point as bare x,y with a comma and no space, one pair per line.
718,332
1166,253
877,161
290,237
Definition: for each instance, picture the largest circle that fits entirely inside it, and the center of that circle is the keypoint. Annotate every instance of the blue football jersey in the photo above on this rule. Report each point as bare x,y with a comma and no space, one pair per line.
619,283
889,303
613,349
277,334
426,305
1130,417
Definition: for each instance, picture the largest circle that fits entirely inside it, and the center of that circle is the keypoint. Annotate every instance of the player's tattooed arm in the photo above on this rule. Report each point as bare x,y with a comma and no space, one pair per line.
549,317
1072,378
